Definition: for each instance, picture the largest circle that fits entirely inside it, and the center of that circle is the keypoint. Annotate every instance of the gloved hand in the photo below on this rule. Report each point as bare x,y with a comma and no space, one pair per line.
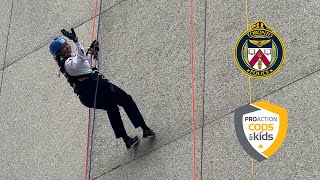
71,35
94,48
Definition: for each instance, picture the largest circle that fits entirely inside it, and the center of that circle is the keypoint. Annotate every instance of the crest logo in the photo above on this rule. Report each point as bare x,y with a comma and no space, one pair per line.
259,52
261,128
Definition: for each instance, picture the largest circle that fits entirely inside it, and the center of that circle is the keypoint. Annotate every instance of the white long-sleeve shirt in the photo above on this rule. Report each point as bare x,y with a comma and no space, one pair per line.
78,64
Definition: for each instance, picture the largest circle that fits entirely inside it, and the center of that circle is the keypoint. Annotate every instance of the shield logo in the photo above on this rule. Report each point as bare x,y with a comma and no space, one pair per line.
261,128
259,53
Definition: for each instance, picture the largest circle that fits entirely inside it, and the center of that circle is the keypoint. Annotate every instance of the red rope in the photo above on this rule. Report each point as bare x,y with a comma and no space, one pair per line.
87,146
89,111
193,91
94,20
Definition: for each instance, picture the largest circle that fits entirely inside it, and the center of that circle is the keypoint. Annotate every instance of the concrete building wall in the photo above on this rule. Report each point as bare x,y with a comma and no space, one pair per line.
145,50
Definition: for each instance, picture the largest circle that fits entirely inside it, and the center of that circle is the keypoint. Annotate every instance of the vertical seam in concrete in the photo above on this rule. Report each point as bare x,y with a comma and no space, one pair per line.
203,85
6,48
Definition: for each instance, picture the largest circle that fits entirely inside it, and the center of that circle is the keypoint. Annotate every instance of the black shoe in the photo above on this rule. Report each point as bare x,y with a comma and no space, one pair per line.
132,142
148,133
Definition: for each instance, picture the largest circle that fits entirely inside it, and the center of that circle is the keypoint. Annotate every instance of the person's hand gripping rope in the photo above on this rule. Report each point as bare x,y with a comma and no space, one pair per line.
93,49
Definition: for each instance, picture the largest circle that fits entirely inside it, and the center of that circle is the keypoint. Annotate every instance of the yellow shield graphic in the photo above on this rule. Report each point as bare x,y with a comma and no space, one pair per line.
261,128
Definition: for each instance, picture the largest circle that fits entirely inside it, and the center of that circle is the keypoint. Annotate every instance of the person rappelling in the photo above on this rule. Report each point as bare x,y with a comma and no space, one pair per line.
83,78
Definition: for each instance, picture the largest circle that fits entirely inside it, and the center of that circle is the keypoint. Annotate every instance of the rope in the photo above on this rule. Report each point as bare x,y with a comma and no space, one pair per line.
250,87
98,30
203,84
192,91
90,138
96,92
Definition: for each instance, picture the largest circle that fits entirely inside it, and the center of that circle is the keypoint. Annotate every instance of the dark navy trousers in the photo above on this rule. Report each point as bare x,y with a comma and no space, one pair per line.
109,97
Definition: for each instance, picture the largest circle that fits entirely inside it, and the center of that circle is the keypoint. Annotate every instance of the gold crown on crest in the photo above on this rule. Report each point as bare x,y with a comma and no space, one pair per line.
259,29
260,25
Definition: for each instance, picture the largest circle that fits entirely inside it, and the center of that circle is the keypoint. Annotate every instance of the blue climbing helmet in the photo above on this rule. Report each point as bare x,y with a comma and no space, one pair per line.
56,44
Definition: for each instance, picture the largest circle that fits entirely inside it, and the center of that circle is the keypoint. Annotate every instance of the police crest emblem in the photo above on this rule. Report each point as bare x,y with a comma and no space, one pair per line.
259,52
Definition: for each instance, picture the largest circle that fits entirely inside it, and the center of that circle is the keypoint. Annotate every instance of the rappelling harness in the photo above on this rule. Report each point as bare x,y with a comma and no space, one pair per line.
77,82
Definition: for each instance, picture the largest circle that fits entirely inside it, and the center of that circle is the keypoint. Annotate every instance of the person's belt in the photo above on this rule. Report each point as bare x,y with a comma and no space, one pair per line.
83,79
93,76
